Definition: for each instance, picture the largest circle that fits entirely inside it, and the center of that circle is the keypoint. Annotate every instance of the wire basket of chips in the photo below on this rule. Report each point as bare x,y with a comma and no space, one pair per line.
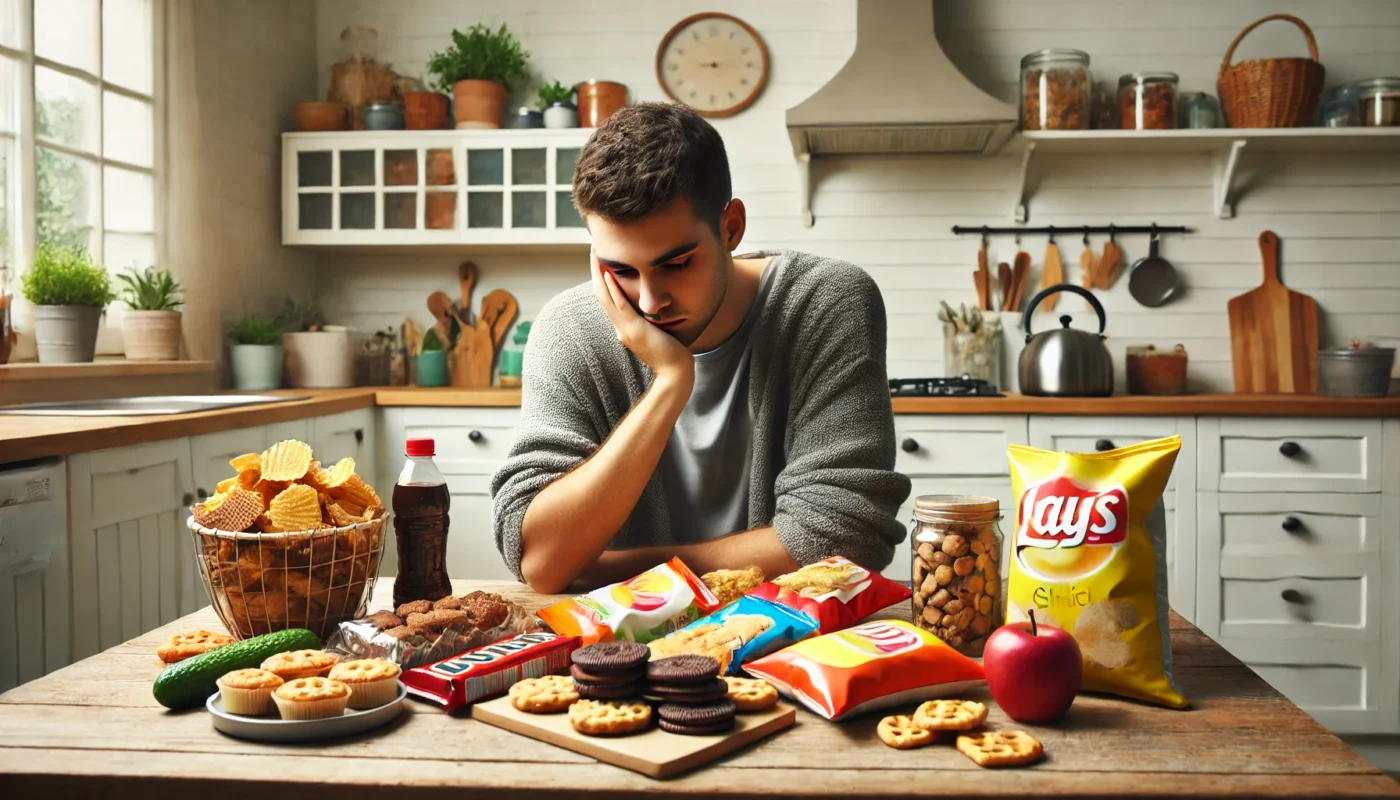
287,543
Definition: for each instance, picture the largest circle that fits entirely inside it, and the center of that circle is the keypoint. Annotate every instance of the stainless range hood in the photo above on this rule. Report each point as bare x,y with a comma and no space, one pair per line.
898,93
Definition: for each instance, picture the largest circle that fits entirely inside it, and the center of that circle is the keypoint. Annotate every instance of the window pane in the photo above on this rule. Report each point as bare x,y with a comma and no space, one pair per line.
527,166
129,202
126,43
126,129
8,72
9,22
65,202
6,249
66,31
67,109
122,250
486,167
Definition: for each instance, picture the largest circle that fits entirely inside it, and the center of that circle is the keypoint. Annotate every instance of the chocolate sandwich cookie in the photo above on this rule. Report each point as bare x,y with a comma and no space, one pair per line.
700,715
611,658
690,693
584,677
696,730
593,691
683,669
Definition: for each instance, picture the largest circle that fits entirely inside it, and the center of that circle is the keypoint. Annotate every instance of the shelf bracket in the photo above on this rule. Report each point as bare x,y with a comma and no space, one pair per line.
1224,164
1023,212
804,187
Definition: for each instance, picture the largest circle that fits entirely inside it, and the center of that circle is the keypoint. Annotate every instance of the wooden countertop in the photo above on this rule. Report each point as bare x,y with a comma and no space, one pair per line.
1247,405
93,729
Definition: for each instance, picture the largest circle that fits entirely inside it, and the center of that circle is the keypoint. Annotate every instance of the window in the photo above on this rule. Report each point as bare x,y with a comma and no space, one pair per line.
79,131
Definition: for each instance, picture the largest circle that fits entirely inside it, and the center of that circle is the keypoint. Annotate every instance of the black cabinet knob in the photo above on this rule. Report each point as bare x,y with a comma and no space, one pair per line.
1293,596
1290,449
201,494
909,445
359,436
1103,445
187,499
475,436
1292,524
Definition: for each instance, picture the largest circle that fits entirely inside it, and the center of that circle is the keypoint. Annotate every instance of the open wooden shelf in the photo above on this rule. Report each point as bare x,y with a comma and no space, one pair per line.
102,368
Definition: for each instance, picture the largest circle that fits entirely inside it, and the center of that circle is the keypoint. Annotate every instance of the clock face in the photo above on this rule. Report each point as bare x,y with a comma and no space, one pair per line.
713,63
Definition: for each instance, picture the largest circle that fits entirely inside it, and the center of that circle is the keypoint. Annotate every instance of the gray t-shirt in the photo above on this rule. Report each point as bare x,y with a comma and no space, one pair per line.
705,467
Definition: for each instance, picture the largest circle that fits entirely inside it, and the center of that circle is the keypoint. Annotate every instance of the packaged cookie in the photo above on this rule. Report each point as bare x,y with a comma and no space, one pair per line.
744,630
665,598
1089,556
490,671
871,666
836,592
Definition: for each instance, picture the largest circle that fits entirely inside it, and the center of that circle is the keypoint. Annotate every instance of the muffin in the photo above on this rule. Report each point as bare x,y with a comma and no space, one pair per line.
301,664
311,698
248,691
373,681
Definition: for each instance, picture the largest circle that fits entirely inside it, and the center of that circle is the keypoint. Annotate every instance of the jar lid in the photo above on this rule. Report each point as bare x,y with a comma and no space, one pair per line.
1390,84
972,507
1149,77
1359,354
382,106
1054,54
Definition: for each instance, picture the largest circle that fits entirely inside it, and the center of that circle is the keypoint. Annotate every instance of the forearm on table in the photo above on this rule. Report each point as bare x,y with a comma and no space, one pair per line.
759,547
570,522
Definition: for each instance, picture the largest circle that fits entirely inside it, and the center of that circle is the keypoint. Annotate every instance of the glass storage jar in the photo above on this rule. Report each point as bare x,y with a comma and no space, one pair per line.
1055,87
1199,110
957,573
1379,99
1339,108
1147,101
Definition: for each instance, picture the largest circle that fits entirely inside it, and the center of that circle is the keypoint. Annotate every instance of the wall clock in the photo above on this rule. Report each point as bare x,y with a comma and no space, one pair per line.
713,63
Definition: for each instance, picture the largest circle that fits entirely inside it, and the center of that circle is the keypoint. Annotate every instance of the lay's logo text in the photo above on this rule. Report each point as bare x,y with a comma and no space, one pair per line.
1060,512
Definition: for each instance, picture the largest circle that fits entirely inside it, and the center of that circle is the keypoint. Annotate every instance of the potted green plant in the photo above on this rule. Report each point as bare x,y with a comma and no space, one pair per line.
479,69
151,324
68,292
554,102
255,353
316,355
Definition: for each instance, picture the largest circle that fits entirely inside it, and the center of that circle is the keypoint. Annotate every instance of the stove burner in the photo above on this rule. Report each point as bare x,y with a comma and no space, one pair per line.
963,386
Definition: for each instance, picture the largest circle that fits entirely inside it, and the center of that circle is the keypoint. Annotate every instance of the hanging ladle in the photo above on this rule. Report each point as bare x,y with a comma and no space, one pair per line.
1152,280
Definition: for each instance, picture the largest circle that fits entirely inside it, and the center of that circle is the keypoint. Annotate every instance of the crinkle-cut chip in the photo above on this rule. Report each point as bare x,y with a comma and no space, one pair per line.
234,511
314,477
356,491
372,512
339,515
351,509
296,509
339,474
269,490
249,478
264,524
286,461
226,484
247,462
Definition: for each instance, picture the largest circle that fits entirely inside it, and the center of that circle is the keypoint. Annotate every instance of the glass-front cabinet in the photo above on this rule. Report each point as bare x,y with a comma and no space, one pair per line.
431,187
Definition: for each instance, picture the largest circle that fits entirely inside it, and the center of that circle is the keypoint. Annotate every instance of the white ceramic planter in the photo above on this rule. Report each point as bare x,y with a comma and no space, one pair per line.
151,335
256,367
561,116
319,360
66,334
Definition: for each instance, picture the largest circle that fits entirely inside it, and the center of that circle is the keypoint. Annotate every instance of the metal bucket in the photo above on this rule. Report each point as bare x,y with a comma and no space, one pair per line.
1355,372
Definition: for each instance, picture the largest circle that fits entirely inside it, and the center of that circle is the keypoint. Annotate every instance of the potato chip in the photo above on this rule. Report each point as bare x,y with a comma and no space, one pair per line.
249,478
357,492
234,511
286,461
228,483
340,517
247,462
339,474
269,490
296,508
264,524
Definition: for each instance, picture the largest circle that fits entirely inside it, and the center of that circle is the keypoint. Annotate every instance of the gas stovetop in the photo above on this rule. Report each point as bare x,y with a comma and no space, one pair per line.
964,386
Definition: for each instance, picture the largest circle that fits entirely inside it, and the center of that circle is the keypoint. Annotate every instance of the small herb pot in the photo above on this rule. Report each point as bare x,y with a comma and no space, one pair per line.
561,115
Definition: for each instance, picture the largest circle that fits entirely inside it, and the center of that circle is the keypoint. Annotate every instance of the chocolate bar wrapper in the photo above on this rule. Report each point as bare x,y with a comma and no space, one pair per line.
490,671
361,639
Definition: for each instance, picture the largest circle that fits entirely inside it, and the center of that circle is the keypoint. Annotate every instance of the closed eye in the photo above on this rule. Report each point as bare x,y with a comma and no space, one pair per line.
623,273
678,265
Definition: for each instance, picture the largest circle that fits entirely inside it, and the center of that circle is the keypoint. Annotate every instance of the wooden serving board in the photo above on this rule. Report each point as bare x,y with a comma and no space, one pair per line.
654,753
1273,333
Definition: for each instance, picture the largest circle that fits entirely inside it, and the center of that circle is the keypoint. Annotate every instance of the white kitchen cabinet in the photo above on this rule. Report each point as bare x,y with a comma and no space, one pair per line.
956,446
133,565
34,636
1290,455
347,435
1348,686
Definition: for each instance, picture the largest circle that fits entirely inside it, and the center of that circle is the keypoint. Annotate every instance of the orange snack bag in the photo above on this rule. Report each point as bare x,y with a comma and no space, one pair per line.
648,606
1089,556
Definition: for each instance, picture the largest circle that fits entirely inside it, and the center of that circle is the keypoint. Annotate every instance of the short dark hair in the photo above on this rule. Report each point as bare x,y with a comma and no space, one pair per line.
645,156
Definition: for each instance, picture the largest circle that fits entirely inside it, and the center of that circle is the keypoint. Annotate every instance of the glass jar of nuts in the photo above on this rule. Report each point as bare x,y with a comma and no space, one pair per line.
957,573
1147,101
1055,87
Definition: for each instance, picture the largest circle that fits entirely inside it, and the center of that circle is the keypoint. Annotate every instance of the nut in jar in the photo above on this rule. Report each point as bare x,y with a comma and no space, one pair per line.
957,573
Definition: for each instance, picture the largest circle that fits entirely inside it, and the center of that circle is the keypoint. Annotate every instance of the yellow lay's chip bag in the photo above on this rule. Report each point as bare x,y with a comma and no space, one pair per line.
1089,556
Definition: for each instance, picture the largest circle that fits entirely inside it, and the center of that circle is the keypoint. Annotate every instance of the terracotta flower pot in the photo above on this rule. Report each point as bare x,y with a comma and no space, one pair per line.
319,116
151,335
425,111
479,104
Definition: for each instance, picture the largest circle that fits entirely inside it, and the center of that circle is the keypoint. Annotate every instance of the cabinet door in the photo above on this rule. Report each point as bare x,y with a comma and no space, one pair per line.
133,566
347,435
471,541
1346,686
210,454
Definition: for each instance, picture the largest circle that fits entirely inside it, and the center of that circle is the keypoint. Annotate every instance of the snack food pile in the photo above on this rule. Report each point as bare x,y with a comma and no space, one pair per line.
285,489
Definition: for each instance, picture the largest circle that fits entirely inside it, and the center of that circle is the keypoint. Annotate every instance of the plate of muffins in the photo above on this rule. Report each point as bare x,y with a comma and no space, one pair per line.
307,695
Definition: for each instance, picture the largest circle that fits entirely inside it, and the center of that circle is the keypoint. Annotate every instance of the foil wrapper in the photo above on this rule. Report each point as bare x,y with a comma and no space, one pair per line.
360,639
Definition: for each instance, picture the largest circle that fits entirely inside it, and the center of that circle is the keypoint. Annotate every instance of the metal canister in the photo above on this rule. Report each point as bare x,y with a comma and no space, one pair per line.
1355,371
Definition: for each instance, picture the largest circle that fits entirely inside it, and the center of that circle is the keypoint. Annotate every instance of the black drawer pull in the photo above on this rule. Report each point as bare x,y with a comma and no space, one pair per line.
1292,524
1103,445
359,436
201,494
1290,449
1293,596
187,499
475,436
909,445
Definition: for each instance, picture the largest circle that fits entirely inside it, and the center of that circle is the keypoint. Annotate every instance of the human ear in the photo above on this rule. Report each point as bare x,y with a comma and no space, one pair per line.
732,223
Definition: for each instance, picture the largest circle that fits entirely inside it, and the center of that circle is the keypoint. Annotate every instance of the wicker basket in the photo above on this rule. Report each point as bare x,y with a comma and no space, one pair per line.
264,582
1270,92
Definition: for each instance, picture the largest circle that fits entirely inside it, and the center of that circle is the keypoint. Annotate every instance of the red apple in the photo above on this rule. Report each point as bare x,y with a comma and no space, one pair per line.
1032,671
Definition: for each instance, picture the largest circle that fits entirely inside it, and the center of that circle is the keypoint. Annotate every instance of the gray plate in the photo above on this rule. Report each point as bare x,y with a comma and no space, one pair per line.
272,729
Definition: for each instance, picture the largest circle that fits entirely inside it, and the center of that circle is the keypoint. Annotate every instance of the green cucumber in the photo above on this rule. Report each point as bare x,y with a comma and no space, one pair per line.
188,683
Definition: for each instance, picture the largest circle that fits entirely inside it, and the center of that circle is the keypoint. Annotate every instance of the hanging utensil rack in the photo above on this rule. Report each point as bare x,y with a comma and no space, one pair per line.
1067,230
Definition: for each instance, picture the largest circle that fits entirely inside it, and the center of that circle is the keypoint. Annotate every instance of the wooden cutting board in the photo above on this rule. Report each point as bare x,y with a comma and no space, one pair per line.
655,753
1273,333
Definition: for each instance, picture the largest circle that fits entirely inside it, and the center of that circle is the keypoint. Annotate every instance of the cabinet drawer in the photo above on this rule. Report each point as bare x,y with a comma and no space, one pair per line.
1297,455
1288,602
1343,685
469,441
1299,529
1095,434
963,446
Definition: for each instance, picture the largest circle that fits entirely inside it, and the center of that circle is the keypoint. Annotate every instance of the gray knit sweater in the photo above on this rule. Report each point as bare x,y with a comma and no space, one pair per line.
823,433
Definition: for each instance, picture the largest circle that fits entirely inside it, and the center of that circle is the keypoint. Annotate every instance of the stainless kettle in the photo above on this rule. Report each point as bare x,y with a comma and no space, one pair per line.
1065,362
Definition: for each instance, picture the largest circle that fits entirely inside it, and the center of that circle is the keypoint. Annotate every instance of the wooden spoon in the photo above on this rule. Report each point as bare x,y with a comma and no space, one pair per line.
1107,271
1053,274
441,307
1004,282
1087,262
983,280
466,274
1019,276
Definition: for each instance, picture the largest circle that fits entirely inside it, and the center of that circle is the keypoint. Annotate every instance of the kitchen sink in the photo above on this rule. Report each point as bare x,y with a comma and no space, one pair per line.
145,406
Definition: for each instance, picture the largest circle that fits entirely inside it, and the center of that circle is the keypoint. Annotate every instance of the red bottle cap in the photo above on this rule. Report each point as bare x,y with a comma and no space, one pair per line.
419,447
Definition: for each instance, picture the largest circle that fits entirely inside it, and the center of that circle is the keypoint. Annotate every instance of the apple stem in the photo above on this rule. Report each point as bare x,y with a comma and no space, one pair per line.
1031,614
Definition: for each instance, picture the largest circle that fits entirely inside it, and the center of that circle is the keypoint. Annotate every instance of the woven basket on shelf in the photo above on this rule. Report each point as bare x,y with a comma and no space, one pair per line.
264,582
1270,92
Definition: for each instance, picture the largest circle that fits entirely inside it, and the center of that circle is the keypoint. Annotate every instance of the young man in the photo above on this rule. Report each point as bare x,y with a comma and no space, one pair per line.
733,411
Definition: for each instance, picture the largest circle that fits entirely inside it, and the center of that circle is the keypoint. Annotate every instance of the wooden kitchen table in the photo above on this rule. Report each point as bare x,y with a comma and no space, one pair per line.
93,730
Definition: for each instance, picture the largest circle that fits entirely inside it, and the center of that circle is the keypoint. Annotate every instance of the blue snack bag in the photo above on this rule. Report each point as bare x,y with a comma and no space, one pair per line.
748,628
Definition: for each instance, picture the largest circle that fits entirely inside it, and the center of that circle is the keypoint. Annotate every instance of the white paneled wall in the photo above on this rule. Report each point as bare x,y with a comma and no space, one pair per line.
1339,215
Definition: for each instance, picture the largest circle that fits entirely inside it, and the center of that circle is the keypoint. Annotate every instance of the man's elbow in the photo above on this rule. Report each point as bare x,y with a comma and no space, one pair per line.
539,573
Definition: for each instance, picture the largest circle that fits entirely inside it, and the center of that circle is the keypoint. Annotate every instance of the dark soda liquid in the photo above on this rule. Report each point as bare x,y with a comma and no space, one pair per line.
420,529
